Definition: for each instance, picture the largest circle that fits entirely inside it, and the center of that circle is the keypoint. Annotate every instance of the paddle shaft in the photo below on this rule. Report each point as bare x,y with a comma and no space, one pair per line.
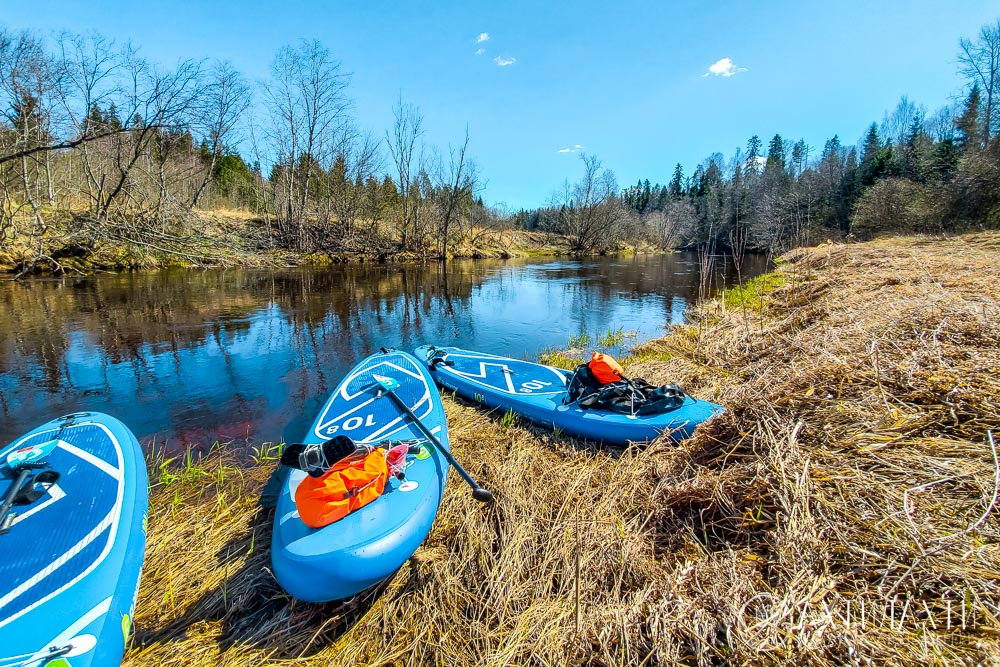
478,492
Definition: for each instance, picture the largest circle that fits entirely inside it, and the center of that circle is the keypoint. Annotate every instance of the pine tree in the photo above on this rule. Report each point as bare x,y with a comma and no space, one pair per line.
775,155
94,122
968,123
677,182
750,164
111,119
877,160
800,154
916,161
871,146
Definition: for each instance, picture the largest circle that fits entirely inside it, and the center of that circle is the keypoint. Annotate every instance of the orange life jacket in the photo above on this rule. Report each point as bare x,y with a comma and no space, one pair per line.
605,368
349,485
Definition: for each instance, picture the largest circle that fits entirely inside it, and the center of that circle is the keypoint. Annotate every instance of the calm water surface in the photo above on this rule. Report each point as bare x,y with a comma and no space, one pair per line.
195,356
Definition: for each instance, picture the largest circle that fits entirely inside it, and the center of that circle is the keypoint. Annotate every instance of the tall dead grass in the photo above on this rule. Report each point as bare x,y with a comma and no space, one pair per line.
842,510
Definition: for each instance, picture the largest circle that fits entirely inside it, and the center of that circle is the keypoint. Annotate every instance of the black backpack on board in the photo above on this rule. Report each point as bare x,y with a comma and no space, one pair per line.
630,397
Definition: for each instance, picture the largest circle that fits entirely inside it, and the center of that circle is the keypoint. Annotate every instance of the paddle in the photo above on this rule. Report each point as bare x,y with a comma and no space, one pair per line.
388,385
22,461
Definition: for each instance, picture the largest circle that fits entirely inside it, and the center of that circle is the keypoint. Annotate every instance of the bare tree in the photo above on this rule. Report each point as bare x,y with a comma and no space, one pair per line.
227,98
896,124
309,114
28,79
940,125
589,210
980,60
353,171
155,102
456,184
402,142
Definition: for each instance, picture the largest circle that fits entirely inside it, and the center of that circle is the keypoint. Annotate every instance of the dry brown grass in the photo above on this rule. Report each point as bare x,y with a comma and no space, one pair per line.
851,471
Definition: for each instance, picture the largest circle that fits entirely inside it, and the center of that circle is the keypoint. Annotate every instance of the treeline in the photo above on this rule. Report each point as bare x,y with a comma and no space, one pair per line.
915,171
99,145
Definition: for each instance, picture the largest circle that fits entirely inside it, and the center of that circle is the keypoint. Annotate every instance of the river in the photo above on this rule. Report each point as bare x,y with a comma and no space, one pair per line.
190,357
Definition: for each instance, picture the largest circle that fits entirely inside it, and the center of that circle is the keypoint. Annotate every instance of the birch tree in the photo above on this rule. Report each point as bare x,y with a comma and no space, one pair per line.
401,140
309,109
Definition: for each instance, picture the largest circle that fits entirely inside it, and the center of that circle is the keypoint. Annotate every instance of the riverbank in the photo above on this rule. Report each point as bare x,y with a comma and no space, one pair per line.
236,239
840,512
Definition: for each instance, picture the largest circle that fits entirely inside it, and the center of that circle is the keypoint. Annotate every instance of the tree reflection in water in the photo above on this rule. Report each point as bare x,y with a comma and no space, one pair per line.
195,356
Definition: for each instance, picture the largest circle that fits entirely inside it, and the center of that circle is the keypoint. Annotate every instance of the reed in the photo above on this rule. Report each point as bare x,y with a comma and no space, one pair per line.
582,340
841,511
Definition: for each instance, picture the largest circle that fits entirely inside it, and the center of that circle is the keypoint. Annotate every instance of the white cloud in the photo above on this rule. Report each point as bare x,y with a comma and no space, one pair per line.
572,149
483,37
503,62
480,52
724,67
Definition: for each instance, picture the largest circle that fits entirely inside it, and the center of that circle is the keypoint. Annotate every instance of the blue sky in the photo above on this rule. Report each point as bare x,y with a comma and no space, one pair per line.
623,80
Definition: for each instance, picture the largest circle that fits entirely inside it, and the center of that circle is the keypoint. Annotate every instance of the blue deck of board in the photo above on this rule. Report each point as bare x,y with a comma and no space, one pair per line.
537,392
69,572
368,545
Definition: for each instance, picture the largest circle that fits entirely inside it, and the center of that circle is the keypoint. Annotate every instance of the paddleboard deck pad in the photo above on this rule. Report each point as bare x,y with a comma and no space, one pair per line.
368,545
536,392
72,553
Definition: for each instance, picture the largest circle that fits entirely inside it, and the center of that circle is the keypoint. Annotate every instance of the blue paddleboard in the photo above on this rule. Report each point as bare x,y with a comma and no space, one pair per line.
536,392
70,559
368,545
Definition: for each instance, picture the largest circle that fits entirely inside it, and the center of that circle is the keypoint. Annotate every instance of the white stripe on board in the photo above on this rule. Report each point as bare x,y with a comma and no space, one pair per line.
56,564
103,466
384,431
475,378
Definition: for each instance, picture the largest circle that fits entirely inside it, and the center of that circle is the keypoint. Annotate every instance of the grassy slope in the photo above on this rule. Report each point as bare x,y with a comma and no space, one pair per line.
851,466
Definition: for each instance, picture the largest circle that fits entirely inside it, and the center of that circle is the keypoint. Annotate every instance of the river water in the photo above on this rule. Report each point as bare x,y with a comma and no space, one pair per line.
191,357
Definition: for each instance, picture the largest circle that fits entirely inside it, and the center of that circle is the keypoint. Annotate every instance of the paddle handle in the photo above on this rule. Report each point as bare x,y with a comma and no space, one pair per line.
478,492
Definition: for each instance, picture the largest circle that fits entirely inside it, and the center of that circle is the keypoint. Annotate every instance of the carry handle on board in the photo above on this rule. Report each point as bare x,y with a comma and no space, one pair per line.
389,385
436,357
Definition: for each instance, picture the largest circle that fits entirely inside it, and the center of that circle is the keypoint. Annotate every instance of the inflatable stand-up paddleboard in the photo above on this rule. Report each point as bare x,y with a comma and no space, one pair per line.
536,392
368,545
72,536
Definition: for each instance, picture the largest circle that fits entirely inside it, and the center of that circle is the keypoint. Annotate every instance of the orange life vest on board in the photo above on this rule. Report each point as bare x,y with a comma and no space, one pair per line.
349,485
605,368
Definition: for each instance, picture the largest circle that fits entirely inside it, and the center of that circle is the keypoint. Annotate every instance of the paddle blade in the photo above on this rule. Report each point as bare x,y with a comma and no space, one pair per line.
26,456
386,383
